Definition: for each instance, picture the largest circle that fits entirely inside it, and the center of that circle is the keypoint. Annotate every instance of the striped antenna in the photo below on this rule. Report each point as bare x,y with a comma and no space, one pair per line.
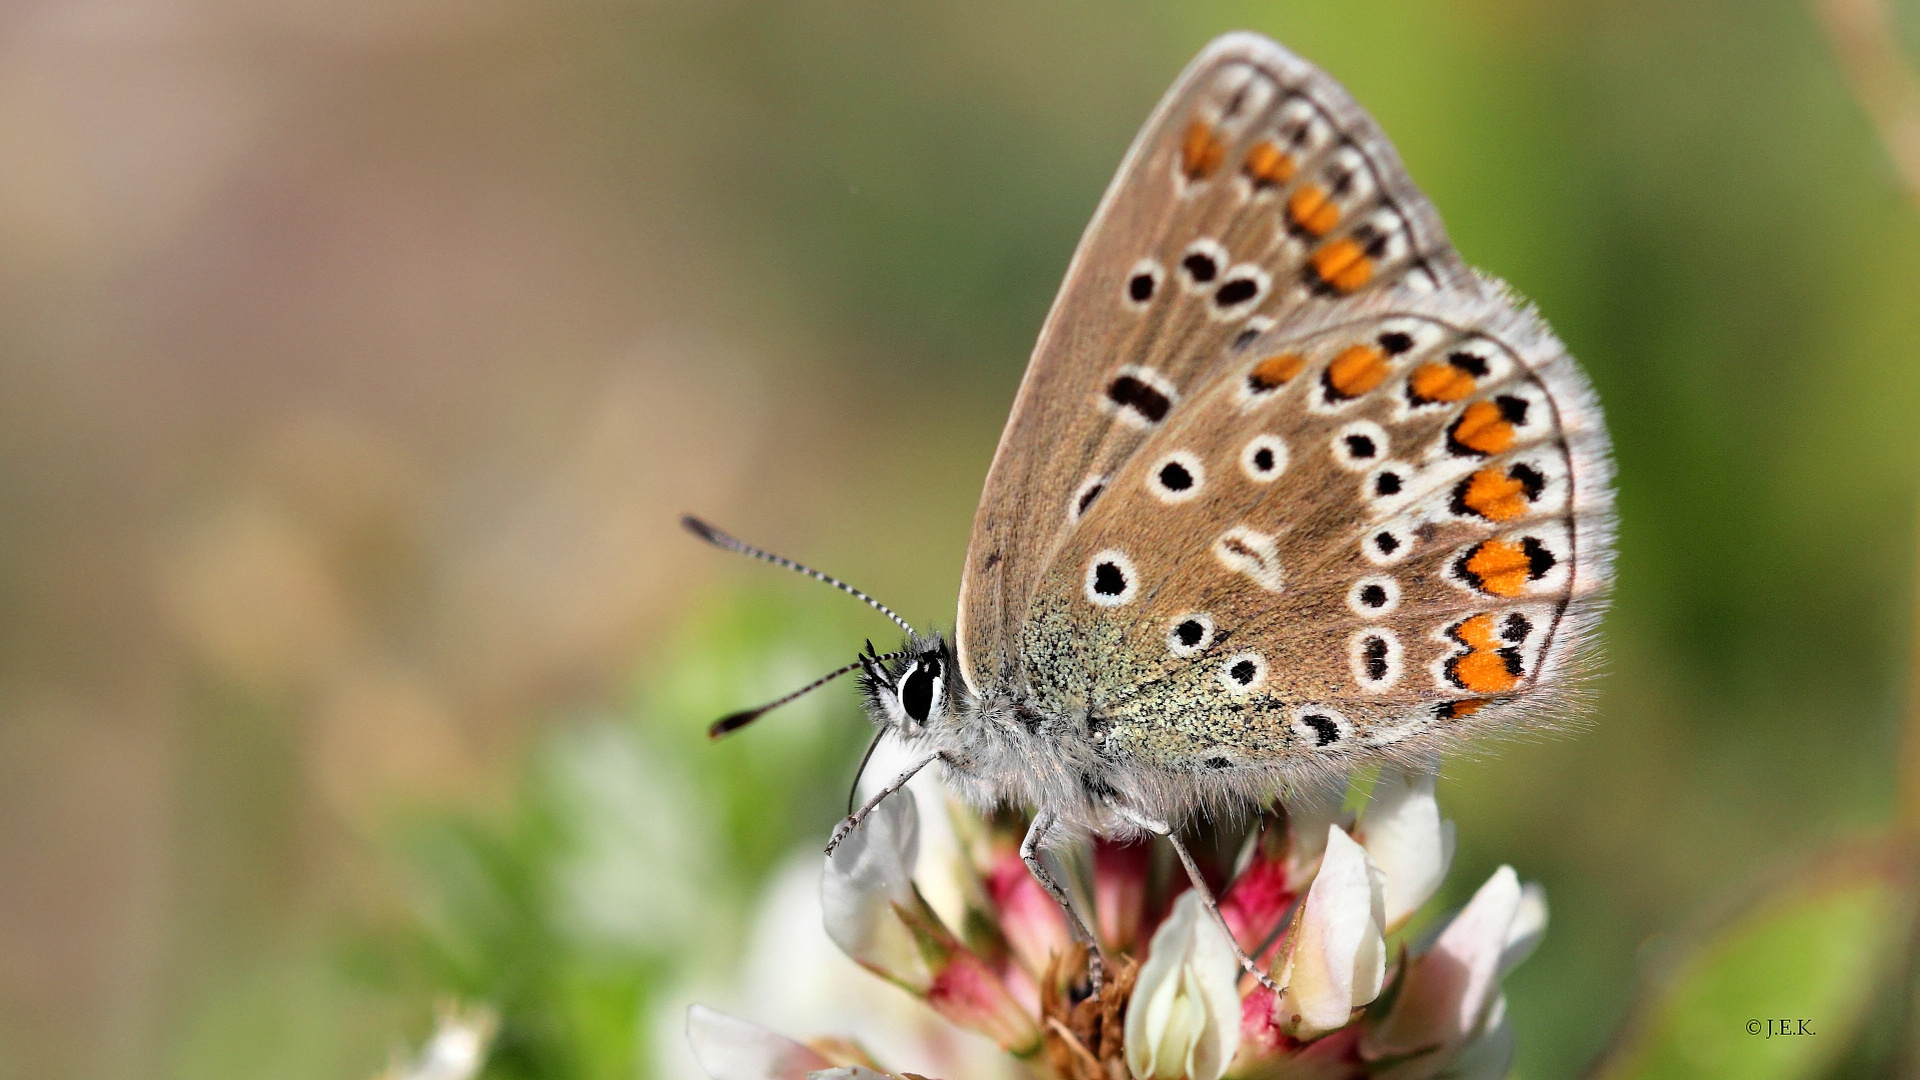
719,539
735,721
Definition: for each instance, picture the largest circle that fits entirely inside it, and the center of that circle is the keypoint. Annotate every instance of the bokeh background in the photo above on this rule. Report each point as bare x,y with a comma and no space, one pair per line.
356,359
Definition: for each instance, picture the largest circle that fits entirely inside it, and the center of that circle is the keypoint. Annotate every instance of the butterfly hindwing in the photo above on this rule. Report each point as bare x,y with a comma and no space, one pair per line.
1360,532
1257,188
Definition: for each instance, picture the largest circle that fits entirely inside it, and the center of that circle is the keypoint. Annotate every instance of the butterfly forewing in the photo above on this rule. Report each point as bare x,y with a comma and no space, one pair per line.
1257,188
1378,526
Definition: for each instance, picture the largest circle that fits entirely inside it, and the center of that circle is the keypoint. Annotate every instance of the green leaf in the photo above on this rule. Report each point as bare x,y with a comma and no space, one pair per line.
1820,945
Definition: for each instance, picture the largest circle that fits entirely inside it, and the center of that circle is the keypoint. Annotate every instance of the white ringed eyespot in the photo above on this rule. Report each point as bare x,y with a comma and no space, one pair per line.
1264,458
1376,659
1243,673
1374,596
1201,265
1360,445
1177,477
1083,496
1190,634
1111,579
1143,283
1319,726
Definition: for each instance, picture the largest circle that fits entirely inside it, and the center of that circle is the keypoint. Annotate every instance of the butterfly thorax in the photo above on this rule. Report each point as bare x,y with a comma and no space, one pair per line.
1014,745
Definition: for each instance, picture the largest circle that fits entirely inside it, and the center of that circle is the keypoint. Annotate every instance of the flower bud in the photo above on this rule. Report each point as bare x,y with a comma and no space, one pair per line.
1450,989
867,879
875,914
1183,1022
1338,957
1402,831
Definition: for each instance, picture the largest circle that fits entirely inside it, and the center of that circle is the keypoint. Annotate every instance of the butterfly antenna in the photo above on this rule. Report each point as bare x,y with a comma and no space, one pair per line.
719,539
735,721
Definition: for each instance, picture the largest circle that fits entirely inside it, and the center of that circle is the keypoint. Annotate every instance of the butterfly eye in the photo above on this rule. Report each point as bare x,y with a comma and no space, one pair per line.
1487,427
1499,495
919,688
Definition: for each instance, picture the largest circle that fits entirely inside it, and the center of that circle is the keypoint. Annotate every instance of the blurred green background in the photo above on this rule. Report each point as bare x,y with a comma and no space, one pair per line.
356,359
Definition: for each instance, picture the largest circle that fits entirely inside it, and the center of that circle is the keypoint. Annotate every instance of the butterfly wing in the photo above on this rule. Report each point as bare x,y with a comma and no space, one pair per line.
1385,525
1257,186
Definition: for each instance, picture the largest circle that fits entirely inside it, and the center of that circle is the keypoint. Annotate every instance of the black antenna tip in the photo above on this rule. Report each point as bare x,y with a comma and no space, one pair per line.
733,722
701,529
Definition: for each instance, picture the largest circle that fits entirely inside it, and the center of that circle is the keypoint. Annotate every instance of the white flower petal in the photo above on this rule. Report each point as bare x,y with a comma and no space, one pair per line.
869,872
1310,810
1451,986
847,1072
1402,829
1338,956
1490,1056
1529,926
1184,1019
730,1048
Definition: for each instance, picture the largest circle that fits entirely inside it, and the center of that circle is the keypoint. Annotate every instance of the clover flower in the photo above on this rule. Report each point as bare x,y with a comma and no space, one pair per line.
1319,899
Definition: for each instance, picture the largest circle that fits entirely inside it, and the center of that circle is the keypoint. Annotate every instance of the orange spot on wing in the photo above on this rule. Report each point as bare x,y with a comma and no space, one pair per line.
1343,265
1482,429
1458,710
1487,668
1202,151
1275,371
1268,165
1310,211
1500,568
1433,382
1494,495
1477,633
1358,369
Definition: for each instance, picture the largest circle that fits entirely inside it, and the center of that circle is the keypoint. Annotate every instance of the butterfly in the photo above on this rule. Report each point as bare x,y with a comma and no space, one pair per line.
1288,489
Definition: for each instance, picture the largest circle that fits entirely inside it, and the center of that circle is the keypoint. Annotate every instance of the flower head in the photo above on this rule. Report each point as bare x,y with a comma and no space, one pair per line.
1316,897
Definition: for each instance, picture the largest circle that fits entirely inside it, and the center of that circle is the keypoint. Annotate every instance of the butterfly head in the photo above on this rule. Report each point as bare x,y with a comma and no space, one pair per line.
914,692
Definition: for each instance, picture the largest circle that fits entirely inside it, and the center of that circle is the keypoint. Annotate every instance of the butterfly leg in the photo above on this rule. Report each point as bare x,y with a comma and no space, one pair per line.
1043,823
852,821
1200,887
